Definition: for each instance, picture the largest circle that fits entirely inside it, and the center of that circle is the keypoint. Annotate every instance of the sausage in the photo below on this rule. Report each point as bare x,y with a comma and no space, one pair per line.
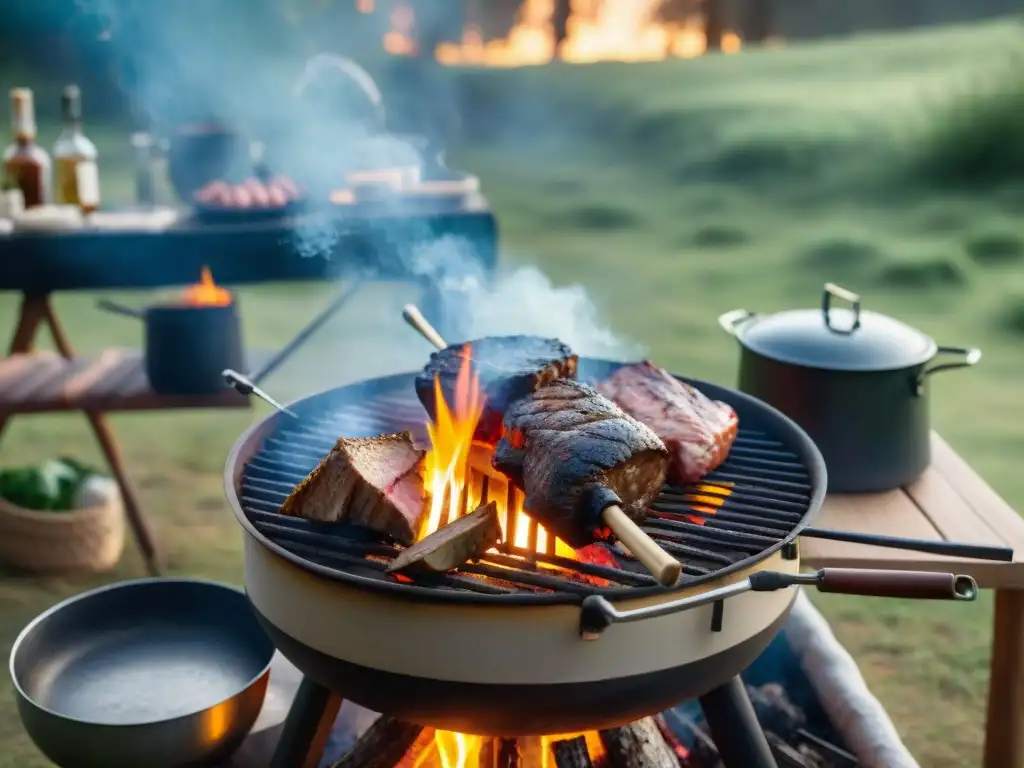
290,189
260,196
241,197
220,196
212,192
278,197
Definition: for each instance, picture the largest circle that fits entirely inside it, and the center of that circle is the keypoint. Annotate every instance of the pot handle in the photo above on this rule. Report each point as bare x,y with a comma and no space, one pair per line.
734,318
119,309
598,613
834,291
970,355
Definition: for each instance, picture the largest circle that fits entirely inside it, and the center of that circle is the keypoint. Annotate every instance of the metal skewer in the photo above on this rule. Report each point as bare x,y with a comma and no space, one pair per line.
245,387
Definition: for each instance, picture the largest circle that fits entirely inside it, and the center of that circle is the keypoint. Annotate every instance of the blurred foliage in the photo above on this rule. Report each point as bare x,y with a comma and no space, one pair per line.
977,138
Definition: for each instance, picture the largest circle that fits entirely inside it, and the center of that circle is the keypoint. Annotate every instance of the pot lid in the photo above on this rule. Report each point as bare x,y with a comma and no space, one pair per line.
835,338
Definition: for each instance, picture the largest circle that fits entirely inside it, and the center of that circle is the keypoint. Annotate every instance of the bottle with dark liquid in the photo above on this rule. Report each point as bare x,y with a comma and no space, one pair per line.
26,164
78,181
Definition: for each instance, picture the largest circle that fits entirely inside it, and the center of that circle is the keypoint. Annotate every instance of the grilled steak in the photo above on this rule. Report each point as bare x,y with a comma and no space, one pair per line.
567,447
372,482
697,430
508,368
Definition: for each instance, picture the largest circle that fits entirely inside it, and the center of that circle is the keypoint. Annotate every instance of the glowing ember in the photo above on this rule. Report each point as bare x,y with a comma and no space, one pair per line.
456,465
206,293
457,750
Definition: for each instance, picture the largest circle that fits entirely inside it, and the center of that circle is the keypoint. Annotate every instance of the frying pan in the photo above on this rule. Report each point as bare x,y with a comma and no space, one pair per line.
162,673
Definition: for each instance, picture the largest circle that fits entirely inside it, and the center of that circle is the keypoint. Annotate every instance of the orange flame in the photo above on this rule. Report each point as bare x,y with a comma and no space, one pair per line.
459,750
206,293
611,30
456,464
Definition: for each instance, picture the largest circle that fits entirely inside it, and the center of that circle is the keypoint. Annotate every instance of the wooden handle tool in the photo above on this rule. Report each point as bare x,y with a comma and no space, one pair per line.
665,568
415,318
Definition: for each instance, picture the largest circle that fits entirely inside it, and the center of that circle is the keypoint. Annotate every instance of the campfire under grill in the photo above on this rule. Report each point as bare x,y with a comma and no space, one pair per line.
739,514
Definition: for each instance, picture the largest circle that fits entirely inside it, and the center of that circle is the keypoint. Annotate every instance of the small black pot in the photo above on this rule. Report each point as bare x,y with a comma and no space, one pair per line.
187,347
856,381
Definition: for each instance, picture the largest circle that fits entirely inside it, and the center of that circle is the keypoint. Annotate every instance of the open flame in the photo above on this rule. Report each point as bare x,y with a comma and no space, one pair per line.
456,466
206,293
596,30
453,472
458,750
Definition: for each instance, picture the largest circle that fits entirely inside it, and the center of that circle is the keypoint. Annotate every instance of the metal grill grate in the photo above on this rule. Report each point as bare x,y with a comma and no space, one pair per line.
756,499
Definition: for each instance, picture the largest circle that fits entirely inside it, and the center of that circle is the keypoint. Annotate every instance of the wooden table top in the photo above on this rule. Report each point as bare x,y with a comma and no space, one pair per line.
114,380
950,501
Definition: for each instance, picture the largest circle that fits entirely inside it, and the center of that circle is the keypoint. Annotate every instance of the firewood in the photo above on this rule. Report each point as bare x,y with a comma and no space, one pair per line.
638,745
680,750
382,745
373,482
775,712
422,753
500,753
572,753
468,538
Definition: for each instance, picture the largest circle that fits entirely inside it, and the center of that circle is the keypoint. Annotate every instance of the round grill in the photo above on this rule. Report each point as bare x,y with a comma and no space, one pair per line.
771,485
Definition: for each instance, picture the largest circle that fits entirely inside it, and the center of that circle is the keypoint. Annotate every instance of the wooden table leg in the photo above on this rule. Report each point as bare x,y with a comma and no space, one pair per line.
104,435
32,313
1004,734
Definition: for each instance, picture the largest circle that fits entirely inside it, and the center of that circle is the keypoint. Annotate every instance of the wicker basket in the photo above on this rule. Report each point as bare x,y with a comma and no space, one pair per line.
87,539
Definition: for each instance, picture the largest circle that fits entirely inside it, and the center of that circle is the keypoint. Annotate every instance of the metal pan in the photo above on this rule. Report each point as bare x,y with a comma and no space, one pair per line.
162,673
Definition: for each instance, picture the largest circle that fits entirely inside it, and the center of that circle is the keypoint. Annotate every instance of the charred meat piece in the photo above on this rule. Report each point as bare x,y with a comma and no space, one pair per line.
508,368
573,451
697,430
373,482
467,538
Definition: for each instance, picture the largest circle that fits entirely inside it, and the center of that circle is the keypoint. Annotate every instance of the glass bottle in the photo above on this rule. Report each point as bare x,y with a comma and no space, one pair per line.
78,181
26,164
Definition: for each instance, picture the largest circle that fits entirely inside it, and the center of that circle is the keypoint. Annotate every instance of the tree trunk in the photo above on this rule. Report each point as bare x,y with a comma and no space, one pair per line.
714,24
759,20
560,22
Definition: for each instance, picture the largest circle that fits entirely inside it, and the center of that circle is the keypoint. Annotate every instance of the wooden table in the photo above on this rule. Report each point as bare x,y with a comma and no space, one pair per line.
950,501
45,382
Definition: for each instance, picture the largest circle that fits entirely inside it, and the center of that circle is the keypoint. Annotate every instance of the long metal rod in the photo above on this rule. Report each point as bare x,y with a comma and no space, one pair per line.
947,548
300,338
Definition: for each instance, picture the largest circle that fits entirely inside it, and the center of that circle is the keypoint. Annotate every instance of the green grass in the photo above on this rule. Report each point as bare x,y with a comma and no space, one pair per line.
674,192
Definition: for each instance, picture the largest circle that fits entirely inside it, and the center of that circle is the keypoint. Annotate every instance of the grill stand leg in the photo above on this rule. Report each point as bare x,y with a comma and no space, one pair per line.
305,731
734,727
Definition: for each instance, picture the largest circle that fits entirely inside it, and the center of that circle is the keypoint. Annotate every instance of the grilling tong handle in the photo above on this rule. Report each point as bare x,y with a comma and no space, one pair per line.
598,613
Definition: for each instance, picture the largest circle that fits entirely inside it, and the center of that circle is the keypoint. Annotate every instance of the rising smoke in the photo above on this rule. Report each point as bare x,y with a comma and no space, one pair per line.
320,122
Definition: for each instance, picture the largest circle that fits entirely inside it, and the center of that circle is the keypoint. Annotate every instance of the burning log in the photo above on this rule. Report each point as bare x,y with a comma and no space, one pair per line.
372,482
638,745
500,753
572,753
382,746
467,538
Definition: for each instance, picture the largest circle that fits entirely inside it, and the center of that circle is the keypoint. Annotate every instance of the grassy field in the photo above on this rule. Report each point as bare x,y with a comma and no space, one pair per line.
674,192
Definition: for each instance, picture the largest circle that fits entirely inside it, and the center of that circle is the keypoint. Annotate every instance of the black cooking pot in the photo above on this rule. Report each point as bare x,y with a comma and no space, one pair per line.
187,347
856,381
